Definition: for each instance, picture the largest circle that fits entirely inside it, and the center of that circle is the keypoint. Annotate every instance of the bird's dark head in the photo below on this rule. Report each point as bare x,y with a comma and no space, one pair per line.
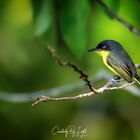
105,47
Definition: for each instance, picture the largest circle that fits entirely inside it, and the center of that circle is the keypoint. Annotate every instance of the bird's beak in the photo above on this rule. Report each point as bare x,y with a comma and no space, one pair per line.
92,49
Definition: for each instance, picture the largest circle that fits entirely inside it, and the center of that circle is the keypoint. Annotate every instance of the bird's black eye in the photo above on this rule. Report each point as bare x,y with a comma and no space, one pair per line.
104,47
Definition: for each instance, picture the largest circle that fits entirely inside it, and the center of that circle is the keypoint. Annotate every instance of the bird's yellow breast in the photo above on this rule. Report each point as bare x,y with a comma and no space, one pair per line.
104,55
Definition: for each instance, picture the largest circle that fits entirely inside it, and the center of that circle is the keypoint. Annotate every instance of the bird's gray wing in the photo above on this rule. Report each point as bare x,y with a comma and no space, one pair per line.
120,67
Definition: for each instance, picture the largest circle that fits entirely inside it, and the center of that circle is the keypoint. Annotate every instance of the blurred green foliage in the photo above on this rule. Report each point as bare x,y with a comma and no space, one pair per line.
114,5
26,27
74,17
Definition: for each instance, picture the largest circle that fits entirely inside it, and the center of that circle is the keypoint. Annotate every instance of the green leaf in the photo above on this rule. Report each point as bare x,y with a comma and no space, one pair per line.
74,18
44,18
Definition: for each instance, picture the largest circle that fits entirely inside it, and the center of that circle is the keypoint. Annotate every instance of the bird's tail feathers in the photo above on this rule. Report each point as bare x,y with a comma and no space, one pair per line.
137,78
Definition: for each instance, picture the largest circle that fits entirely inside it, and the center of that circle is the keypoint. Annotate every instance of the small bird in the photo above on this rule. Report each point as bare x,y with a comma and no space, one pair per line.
117,59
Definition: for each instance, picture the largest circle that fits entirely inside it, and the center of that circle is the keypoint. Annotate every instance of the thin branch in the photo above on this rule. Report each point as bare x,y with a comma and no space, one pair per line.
99,91
131,27
83,76
46,98
106,88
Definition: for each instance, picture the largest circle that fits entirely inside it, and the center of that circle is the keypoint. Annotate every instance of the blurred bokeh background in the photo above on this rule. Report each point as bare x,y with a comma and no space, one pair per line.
26,66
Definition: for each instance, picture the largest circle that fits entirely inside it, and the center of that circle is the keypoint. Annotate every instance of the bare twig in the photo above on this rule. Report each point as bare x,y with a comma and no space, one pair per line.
118,18
45,98
99,91
106,88
83,76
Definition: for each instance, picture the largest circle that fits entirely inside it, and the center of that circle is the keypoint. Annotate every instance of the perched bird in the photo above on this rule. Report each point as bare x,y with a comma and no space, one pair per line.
117,59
